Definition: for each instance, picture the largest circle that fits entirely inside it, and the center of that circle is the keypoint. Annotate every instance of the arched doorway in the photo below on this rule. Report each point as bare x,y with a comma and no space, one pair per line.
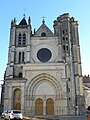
39,106
17,99
50,106
37,87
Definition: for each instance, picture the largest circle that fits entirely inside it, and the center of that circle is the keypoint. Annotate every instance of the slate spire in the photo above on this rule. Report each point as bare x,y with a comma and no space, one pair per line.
23,21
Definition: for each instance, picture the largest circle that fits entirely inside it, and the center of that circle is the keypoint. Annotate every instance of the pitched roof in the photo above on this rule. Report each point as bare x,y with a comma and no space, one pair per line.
23,22
43,31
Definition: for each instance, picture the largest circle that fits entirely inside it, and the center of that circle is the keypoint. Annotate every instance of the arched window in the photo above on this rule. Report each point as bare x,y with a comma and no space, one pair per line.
24,39
43,34
63,38
19,57
66,38
64,47
20,75
23,57
63,32
19,39
67,47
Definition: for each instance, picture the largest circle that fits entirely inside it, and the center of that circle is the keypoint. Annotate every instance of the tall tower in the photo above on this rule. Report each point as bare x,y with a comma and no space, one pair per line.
43,74
66,28
19,47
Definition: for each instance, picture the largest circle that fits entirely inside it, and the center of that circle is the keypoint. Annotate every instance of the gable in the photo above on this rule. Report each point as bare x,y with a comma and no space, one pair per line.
43,31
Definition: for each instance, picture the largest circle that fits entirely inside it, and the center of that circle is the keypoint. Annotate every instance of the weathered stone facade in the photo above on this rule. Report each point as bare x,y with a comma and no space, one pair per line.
86,89
43,74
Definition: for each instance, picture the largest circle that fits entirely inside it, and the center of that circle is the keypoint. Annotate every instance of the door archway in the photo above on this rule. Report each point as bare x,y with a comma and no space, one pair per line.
17,99
39,106
50,106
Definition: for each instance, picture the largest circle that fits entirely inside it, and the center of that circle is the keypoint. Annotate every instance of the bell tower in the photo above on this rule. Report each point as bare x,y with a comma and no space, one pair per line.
19,46
66,28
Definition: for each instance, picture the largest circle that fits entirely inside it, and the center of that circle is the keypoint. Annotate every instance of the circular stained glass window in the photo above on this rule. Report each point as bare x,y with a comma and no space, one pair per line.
44,55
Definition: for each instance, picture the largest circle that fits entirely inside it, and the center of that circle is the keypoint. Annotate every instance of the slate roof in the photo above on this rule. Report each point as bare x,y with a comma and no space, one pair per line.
23,22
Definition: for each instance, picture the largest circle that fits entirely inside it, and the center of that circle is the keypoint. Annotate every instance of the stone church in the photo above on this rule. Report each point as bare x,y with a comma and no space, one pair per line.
44,74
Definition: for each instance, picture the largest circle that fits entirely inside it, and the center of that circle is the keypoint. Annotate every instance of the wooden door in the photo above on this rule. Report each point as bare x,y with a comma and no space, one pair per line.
50,106
39,106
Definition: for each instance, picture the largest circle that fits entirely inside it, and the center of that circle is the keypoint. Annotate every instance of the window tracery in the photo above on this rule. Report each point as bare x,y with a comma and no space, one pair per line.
21,39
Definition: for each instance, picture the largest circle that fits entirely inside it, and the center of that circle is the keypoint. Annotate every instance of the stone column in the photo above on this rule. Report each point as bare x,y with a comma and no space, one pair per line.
10,97
60,52
28,45
22,98
44,105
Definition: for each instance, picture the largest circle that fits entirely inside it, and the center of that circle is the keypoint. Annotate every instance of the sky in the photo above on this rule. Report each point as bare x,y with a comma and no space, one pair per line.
50,9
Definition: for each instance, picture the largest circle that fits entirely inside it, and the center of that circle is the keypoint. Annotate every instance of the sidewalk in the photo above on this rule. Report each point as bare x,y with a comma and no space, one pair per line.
33,118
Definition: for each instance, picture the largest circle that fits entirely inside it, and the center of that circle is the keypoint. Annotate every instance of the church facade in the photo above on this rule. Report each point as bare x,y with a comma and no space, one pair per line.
43,74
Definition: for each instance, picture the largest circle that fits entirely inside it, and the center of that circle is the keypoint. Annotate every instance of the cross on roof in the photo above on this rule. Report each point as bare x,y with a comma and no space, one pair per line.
24,13
43,20
43,17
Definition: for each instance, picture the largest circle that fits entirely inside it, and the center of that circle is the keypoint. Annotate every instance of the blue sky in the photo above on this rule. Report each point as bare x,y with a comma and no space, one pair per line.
51,9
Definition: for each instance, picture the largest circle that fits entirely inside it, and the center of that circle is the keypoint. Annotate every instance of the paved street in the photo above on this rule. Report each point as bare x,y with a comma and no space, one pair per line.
23,119
26,118
57,118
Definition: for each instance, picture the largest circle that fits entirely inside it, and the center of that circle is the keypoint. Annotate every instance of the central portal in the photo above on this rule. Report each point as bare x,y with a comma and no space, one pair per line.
44,90
49,106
